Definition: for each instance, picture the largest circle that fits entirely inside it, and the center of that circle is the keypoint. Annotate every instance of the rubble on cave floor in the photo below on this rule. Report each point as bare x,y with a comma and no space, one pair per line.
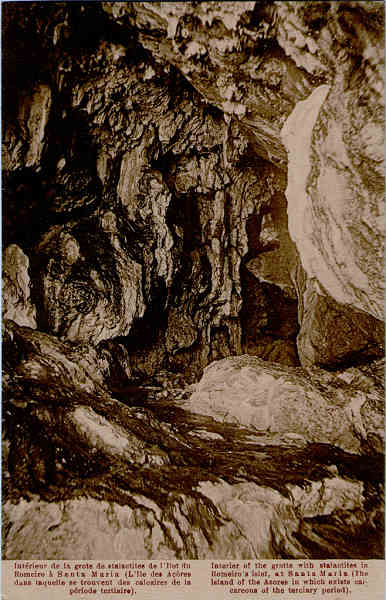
182,482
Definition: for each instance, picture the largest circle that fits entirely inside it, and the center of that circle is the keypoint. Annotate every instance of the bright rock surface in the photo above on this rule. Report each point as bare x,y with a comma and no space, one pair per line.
16,291
272,398
335,214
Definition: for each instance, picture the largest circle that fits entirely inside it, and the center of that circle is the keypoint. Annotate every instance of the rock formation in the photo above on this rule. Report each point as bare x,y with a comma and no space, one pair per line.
193,190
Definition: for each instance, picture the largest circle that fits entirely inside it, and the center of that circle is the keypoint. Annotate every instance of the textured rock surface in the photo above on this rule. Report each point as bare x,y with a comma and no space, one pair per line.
82,303
332,334
230,55
275,399
98,476
124,532
335,178
184,182
33,116
16,291
139,154
146,209
336,216
98,529
38,356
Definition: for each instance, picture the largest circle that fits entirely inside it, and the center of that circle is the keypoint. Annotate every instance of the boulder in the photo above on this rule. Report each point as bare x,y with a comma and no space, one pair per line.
333,335
272,398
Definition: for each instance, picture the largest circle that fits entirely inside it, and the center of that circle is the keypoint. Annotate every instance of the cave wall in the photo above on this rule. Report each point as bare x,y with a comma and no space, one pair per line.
147,152
183,183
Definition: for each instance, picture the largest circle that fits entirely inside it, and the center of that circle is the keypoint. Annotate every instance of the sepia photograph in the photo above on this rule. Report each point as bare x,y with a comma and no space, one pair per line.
193,288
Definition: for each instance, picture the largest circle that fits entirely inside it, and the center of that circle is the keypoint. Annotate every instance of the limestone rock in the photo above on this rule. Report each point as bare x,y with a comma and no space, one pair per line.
91,290
215,56
90,528
156,157
16,290
269,312
40,357
273,398
32,122
335,187
247,503
332,334
147,149
99,529
276,257
180,332
111,438
138,471
335,211
327,496
142,210
269,322
316,38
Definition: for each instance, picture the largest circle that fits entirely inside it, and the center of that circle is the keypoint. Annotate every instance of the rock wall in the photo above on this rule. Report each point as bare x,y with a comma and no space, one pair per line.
335,186
145,208
187,184
16,290
145,165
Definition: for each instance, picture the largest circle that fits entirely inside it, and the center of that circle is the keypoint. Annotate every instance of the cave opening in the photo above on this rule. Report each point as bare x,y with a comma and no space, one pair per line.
192,291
